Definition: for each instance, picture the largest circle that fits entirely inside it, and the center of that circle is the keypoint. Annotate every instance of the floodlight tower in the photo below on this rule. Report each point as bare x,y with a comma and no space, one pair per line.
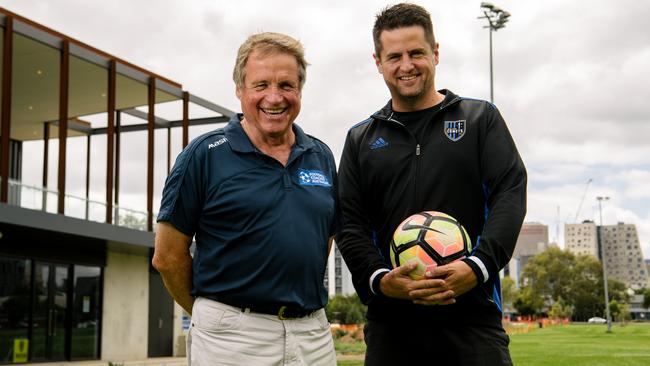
497,19
602,256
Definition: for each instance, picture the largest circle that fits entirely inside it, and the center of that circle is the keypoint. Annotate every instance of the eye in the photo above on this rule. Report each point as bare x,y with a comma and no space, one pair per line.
288,86
259,86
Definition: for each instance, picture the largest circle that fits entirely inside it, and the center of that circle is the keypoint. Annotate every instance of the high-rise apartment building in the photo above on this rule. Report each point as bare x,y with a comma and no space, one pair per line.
581,238
624,256
622,250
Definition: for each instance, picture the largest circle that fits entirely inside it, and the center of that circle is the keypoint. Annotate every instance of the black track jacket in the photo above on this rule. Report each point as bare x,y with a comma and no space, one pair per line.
386,175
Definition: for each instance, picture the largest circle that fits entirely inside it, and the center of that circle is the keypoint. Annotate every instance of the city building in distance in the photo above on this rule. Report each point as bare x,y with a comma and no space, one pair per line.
623,253
532,240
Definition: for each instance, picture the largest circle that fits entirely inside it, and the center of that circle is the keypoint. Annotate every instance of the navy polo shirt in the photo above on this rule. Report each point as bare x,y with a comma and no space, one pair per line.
261,228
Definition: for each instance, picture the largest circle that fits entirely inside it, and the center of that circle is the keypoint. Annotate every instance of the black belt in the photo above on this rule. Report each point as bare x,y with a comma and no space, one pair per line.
283,312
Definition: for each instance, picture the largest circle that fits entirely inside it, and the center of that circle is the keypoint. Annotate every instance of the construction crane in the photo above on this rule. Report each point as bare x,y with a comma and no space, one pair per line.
584,193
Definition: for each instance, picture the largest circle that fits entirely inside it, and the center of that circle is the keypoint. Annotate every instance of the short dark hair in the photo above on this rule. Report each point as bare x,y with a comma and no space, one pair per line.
399,16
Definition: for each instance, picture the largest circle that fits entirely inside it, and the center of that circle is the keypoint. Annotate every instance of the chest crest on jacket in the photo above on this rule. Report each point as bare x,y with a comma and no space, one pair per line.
455,130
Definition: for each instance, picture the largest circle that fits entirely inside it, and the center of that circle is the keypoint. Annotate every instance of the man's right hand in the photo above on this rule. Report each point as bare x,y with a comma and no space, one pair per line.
398,284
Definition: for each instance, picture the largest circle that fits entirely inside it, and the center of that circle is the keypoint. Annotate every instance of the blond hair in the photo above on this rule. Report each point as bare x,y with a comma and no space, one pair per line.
268,43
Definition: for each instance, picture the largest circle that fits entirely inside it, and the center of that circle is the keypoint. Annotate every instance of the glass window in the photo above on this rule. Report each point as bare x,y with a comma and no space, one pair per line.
86,312
15,275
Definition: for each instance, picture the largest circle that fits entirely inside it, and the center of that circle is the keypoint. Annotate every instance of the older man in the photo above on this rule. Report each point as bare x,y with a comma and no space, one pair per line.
259,195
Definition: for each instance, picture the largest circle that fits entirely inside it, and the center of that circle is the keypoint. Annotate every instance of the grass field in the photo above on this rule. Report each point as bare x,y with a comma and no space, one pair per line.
570,345
582,345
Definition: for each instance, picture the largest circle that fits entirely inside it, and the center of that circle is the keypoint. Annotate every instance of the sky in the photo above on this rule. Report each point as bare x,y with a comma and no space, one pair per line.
571,78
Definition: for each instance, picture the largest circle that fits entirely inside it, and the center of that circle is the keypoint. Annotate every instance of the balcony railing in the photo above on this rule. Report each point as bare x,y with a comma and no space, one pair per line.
43,199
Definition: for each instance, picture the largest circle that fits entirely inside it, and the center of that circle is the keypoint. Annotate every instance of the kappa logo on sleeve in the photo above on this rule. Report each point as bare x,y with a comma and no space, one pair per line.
312,178
455,130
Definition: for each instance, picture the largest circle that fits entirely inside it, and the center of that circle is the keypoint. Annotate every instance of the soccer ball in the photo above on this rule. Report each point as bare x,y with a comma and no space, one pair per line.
430,239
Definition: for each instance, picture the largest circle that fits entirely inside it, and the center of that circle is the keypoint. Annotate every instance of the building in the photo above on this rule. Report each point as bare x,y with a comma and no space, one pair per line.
637,311
532,240
624,259
623,255
338,280
581,238
75,276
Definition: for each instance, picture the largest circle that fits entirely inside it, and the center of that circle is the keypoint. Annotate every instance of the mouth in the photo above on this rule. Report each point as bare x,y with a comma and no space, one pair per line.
273,111
407,77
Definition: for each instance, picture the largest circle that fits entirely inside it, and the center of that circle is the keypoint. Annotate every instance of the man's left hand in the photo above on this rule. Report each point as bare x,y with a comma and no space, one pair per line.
458,276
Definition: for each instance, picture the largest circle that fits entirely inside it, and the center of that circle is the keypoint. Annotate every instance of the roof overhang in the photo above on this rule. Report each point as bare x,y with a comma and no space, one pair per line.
35,83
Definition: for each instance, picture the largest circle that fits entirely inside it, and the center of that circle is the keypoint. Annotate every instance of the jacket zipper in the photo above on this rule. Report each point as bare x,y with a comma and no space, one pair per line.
416,162
417,174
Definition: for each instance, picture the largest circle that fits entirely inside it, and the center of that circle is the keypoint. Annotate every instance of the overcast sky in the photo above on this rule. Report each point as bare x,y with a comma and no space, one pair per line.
571,79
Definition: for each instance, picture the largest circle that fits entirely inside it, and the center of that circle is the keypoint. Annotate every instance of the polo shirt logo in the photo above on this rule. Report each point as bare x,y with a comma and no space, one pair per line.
217,143
312,178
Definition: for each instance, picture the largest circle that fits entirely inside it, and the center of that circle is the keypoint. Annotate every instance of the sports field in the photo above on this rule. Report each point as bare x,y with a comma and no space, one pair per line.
582,345
570,345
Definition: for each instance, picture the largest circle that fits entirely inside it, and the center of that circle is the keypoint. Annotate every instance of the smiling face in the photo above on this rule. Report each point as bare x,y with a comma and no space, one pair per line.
407,63
270,95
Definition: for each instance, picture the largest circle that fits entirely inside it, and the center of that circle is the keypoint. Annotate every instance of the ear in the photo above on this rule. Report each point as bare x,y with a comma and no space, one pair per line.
377,62
436,54
238,93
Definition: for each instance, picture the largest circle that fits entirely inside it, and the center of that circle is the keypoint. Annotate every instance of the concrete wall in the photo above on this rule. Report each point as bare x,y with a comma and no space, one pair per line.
180,334
125,310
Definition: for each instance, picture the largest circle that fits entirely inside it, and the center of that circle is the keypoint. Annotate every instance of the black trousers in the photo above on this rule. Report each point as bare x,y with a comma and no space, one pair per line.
395,344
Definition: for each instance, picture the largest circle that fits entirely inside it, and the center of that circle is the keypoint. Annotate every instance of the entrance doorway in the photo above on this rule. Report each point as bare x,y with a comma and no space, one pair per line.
50,311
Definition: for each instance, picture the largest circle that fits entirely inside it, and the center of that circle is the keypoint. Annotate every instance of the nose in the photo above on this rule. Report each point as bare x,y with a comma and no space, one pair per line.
407,64
273,95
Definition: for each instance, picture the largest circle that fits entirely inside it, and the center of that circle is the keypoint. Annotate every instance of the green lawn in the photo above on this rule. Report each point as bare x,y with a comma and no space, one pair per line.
571,345
582,345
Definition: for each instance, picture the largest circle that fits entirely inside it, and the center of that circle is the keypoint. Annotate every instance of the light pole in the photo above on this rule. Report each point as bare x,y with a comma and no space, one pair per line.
497,19
602,256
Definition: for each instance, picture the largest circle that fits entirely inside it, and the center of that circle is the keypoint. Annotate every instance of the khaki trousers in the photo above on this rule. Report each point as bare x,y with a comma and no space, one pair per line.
221,334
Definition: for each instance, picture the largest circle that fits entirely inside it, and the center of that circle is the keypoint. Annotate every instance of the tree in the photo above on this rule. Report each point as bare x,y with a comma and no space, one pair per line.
346,309
509,292
528,302
132,221
560,310
549,273
546,277
587,293
620,311
577,281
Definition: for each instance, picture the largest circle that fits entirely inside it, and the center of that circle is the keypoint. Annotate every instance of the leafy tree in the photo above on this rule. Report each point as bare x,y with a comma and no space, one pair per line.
560,310
549,274
346,309
620,311
133,222
528,302
546,276
509,292
587,295
555,275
